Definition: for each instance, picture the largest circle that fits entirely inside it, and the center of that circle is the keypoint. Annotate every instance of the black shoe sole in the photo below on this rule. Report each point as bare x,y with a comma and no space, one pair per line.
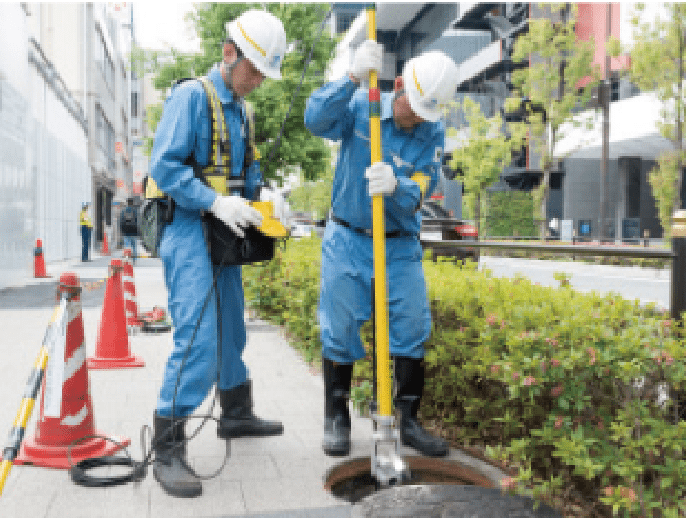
178,494
238,433
336,452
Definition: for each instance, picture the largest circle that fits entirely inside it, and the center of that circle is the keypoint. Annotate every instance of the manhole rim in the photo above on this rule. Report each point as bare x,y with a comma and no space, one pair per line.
437,466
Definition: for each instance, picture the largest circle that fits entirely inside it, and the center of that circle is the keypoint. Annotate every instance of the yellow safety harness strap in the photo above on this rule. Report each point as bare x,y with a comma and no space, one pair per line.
217,174
423,181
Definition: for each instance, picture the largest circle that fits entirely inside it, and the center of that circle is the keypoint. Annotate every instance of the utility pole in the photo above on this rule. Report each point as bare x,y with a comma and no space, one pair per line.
679,123
604,94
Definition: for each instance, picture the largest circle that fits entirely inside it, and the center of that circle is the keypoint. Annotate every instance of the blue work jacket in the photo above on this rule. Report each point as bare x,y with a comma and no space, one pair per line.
340,111
185,130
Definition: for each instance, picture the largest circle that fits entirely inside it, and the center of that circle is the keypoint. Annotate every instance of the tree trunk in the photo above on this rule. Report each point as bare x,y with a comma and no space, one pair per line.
477,213
545,182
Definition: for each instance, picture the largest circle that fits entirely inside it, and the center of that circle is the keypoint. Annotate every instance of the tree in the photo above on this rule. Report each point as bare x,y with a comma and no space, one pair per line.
657,64
313,196
298,149
558,65
486,151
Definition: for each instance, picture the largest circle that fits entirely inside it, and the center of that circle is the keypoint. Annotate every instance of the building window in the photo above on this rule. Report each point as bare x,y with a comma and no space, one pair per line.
103,59
343,22
134,104
614,88
105,136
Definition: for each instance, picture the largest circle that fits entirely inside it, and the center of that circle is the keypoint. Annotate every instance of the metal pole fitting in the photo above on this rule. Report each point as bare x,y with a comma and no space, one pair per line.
388,468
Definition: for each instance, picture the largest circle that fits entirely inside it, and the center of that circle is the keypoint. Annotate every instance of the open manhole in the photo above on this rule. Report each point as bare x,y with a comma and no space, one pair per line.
352,480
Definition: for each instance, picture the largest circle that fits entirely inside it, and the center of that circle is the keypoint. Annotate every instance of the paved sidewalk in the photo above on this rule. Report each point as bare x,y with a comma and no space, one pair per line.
266,477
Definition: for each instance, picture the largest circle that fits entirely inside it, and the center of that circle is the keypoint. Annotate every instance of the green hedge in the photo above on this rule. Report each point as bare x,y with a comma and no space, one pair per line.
509,213
559,384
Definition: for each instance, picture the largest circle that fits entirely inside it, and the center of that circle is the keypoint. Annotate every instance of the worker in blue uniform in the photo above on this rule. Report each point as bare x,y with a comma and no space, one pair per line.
255,47
412,139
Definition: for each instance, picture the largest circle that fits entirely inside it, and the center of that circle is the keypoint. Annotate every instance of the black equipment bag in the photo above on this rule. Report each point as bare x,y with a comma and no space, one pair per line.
128,224
157,212
227,249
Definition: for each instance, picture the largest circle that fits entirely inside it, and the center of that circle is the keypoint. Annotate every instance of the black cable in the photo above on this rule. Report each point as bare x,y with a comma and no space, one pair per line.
77,471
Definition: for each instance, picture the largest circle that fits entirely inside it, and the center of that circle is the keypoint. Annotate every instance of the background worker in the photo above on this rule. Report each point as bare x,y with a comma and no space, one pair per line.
128,226
254,49
86,229
412,140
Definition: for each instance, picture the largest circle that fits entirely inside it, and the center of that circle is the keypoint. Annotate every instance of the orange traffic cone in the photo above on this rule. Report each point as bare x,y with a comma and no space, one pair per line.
112,349
68,414
105,247
38,261
132,320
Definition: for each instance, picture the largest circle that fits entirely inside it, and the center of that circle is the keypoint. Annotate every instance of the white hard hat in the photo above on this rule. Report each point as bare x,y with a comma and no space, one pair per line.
262,39
430,81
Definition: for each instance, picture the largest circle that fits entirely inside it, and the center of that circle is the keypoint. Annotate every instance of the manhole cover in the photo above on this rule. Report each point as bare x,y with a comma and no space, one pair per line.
455,501
352,480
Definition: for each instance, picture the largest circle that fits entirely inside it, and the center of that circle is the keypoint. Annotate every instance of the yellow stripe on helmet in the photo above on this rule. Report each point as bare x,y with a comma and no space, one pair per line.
416,83
250,40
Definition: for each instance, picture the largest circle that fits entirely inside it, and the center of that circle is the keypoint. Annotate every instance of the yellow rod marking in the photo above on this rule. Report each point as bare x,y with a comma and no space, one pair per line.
5,468
379,245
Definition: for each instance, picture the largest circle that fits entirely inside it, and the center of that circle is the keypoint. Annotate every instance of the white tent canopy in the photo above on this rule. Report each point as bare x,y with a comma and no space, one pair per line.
633,131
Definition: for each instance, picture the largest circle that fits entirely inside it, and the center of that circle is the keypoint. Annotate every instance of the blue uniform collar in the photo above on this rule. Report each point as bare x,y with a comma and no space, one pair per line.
424,131
215,75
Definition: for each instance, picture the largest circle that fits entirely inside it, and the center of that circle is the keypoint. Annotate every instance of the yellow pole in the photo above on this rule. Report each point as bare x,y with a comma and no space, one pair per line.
383,373
33,386
19,425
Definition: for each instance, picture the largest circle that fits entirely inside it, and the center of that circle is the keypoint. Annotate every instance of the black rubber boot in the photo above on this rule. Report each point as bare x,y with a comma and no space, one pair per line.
409,380
238,420
169,465
337,378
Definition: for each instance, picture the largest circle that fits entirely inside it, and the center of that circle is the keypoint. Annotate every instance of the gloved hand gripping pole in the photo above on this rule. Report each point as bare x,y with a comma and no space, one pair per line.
387,466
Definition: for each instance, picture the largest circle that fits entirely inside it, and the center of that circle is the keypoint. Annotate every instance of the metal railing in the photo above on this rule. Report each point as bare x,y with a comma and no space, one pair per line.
596,250
677,254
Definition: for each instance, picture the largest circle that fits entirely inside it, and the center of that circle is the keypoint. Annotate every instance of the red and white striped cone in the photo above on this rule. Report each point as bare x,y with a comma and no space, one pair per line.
133,323
112,349
66,410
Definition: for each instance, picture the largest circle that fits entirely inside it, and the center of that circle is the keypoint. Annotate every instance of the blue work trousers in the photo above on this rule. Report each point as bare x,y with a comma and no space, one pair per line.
130,243
85,241
196,361
345,294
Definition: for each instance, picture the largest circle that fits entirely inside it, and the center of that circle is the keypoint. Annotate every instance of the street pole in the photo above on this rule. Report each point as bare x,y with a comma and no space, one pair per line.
604,94
679,123
678,285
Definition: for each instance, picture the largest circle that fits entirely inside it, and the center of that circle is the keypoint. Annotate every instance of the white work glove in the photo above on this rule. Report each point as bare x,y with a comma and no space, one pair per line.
381,179
368,56
235,212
